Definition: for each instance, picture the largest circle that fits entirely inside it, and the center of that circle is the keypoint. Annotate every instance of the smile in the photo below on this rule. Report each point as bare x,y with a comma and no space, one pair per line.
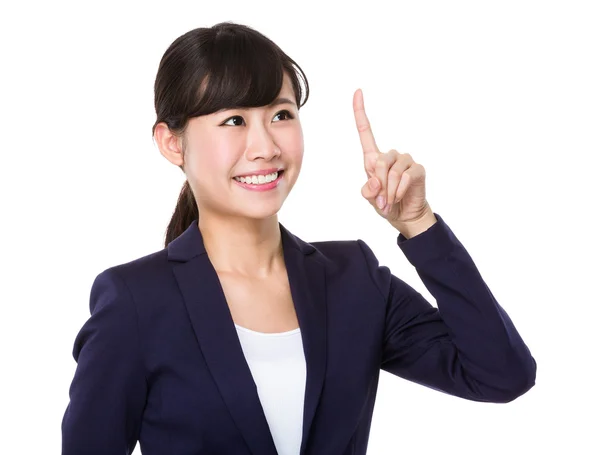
258,179
259,182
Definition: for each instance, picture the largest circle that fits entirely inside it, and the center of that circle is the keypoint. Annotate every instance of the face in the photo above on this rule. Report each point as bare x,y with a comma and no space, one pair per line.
240,142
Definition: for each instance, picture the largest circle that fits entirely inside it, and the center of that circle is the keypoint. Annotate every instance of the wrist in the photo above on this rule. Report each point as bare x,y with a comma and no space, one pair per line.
413,228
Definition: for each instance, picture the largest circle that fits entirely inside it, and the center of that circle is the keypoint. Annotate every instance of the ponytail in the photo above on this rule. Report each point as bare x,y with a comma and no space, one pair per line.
185,212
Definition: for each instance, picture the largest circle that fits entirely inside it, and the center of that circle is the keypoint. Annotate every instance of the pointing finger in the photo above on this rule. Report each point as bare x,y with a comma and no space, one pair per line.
362,124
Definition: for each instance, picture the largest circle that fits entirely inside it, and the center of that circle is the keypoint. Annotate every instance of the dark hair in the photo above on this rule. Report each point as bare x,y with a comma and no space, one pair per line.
207,69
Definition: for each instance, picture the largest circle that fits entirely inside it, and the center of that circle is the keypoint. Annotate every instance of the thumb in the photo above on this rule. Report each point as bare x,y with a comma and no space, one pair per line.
370,190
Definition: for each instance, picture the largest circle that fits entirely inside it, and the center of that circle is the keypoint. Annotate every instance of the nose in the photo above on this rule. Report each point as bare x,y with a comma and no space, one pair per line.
260,144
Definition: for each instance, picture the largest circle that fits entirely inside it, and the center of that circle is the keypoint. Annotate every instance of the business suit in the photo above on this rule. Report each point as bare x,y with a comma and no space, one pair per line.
159,358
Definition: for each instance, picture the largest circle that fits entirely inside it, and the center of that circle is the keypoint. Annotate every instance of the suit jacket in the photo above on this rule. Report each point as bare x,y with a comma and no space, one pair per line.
159,359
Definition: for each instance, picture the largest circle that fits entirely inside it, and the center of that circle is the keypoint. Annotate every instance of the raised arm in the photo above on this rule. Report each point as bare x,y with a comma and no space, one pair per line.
468,346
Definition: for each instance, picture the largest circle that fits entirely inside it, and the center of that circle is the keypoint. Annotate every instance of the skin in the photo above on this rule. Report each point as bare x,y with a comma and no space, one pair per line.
240,227
396,183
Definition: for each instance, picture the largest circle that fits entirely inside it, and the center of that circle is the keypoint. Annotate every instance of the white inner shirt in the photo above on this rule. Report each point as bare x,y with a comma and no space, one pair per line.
278,367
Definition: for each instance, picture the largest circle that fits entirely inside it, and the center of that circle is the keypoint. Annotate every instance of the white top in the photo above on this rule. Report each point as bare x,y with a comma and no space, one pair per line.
278,367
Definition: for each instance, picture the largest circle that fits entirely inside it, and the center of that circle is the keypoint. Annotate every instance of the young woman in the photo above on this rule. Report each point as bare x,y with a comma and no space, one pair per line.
239,337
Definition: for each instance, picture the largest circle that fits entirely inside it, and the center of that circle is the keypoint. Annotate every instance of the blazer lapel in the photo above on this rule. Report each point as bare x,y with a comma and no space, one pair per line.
306,274
216,334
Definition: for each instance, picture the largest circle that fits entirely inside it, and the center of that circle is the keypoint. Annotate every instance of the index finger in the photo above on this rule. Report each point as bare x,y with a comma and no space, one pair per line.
362,124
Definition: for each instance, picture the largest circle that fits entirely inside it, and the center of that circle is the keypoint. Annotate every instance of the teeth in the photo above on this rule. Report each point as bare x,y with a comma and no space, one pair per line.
258,179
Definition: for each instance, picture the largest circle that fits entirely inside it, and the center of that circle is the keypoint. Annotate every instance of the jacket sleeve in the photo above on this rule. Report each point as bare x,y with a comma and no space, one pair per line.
108,392
467,346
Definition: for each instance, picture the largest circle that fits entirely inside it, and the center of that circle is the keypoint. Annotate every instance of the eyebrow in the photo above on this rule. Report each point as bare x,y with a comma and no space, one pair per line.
277,102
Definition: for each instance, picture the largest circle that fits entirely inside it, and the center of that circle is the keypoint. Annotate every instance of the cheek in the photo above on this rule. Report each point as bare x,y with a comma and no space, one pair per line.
294,143
213,158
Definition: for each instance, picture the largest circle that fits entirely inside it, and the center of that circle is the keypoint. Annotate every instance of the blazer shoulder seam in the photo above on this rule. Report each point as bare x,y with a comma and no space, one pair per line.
115,272
362,250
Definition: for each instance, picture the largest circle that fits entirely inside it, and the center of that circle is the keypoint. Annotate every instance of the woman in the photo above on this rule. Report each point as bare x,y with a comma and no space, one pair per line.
239,337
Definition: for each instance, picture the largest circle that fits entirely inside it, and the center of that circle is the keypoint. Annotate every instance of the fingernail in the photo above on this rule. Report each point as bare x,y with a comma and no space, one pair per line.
380,202
373,184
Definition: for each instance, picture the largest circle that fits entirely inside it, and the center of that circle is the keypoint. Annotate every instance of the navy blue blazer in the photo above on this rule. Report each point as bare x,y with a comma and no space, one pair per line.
159,359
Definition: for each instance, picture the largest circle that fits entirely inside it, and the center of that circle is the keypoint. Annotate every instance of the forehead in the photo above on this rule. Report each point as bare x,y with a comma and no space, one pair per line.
286,87
286,91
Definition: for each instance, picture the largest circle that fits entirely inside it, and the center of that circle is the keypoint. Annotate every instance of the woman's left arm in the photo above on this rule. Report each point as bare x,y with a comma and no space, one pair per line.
468,346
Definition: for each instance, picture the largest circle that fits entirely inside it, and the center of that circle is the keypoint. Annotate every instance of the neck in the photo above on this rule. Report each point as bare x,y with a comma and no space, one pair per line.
243,246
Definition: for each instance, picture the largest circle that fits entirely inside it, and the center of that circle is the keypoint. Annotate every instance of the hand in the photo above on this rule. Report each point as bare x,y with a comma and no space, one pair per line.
396,184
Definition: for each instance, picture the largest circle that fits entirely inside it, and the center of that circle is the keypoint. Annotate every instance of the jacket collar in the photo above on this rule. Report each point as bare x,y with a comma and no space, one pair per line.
218,340
190,243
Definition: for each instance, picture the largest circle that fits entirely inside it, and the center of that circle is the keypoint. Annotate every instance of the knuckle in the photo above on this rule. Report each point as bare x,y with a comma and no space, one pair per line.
394,173
381,163
365,126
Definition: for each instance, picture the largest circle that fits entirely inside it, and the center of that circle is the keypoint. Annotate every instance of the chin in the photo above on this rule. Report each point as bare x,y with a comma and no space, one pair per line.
258,214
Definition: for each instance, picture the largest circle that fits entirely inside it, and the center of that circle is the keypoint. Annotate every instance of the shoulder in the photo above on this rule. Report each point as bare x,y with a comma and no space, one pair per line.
332,253
355,252
142,275
346,256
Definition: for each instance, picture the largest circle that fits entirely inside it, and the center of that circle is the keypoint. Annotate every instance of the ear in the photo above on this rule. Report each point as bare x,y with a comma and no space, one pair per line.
169,144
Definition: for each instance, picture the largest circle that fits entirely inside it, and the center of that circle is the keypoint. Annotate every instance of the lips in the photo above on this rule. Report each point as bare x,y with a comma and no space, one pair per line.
260,187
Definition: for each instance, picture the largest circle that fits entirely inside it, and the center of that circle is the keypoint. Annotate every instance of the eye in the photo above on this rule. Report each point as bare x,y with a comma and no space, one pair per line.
232,118
287,114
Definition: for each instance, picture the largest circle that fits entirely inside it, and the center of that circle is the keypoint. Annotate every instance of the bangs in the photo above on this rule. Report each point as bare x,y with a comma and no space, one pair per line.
240,72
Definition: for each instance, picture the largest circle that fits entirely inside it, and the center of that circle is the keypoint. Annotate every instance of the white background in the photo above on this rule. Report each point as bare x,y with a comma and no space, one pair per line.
498,100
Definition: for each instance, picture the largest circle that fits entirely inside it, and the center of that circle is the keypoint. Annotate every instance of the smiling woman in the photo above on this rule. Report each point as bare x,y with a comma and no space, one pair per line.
238,337
204,77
